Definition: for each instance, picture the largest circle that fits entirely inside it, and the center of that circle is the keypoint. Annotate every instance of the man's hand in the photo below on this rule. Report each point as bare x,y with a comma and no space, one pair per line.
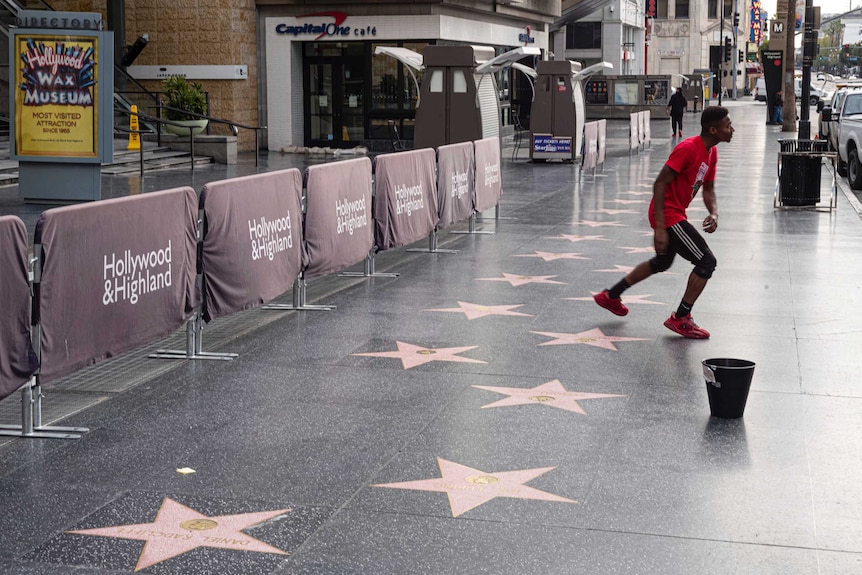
660,241
710,223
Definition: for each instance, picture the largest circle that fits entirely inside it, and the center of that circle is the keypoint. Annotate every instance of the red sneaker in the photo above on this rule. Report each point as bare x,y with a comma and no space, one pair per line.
685,327
615,306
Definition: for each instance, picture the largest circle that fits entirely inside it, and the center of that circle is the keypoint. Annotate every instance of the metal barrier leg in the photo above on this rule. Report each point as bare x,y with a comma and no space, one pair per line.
299,301
432,246
370,271
471,227
31,418
194,344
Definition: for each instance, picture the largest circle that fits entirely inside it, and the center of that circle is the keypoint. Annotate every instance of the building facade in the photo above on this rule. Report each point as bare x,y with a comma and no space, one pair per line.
312,75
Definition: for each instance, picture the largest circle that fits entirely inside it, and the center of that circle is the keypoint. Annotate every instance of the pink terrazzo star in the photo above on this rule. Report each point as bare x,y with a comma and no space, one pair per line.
474,311
552,394
594,224
594,337
516,280
577,238
634,250
178,529
628,299
617,269
551,256
413,355
469,488
611,212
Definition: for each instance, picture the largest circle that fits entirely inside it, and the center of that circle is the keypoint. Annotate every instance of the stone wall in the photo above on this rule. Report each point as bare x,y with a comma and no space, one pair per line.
211,32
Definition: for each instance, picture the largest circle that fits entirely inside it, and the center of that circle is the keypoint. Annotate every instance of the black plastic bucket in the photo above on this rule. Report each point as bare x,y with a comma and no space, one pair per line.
727,384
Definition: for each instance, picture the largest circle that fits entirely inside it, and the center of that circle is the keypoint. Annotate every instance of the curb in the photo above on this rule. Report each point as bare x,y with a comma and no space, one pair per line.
851,197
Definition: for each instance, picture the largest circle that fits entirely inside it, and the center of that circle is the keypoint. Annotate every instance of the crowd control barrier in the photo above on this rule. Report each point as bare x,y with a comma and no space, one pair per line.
456,187
488,184
405,197
251,249
590,153
603,139
338,225
639,131
18,360
115,275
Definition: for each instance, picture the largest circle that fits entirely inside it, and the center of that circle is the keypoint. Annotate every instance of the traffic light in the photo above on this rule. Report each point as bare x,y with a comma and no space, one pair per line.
728,49
740,56
736,20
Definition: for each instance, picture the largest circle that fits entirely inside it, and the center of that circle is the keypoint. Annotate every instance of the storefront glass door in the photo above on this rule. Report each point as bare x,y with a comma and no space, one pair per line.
335,103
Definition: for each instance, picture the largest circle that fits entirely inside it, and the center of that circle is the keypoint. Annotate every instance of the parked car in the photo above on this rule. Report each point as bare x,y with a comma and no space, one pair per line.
850,137
760,90
829,119
816,92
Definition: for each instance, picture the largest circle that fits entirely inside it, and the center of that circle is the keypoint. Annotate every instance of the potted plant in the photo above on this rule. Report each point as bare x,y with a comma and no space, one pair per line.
181,94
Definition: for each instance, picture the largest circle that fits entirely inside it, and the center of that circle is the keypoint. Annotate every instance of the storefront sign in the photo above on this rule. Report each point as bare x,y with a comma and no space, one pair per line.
56,80
59,20
552,144
320,28
525,37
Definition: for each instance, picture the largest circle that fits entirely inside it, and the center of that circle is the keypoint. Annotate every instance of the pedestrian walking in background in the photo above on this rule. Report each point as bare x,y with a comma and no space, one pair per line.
676,110
689,169
777,107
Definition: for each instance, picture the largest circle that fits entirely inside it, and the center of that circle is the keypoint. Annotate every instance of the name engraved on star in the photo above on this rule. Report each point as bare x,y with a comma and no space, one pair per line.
492,174
426,352
585,339
199,524
350,215
129,276
151,534
270,237
408,199
542,398
458,186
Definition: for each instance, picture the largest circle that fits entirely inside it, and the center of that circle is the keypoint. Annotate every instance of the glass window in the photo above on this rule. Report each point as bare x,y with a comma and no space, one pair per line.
661,9
584,36
392,84
712,10
626,93
682,8
436,83
459,82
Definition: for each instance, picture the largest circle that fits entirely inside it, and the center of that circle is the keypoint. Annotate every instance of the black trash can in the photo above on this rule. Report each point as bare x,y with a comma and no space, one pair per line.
727,384
800,179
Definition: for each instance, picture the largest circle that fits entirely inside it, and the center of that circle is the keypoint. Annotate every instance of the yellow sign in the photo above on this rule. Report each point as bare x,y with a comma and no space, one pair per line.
134,138
56,95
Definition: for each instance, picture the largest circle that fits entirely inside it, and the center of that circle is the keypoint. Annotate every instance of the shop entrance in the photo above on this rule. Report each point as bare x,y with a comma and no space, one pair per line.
334,102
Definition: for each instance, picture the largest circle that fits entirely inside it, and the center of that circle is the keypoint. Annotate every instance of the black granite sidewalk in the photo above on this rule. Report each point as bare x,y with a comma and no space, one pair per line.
479,413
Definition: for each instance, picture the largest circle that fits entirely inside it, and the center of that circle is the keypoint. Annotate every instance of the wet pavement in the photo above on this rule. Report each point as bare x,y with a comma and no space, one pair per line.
479,413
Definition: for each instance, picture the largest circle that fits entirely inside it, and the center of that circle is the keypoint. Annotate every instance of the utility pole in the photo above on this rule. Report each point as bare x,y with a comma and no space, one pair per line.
721,45
735,32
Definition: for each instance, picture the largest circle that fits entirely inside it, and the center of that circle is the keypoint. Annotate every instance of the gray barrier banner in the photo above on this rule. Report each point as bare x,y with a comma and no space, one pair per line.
405,197
603,138
647,132
252,247
455,182
591,145
338,220
641,129
17,359
489,186
634,132
116,274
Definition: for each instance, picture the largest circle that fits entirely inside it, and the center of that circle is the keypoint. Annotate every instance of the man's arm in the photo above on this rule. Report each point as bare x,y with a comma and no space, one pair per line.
710,223
665,177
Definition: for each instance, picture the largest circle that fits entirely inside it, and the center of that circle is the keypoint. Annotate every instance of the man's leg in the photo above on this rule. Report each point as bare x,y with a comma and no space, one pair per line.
690,245
610,299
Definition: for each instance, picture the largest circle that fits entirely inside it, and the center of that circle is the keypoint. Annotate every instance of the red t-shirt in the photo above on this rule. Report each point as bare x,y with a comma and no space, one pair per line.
693,165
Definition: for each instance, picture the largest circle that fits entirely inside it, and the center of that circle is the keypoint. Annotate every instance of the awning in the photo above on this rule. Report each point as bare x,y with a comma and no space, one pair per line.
503,60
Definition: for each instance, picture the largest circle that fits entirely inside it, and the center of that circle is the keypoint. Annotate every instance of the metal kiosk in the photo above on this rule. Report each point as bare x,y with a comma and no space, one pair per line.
458,100
798,184
556,127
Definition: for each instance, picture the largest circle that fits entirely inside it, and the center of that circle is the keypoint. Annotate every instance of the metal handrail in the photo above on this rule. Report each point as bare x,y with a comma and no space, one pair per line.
139,132
233,126
146,117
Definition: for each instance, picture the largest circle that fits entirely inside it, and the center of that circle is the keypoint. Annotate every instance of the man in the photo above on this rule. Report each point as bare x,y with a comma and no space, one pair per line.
690,168
777,107
676,110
